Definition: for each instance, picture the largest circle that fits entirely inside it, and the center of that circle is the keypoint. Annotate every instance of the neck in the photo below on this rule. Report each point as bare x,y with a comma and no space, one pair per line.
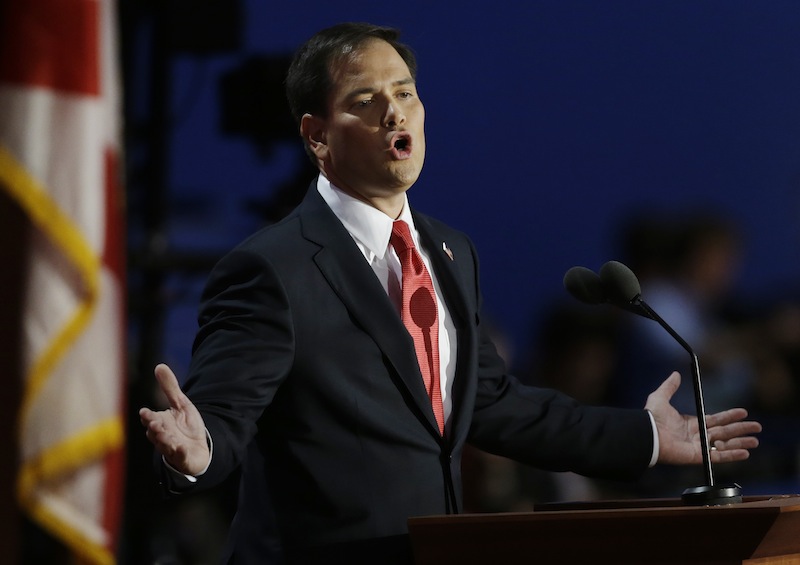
392,207
388,201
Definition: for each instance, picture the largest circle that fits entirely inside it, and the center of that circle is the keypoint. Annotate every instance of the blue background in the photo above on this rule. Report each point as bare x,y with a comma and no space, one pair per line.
547,124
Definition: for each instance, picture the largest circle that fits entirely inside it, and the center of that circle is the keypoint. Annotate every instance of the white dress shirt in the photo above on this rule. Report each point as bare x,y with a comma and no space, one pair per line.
371,230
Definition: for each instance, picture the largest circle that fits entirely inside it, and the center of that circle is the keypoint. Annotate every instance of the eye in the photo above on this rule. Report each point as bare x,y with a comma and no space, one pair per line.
364,103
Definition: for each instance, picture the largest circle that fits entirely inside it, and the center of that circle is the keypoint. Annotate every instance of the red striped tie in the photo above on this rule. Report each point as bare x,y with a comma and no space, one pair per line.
419,314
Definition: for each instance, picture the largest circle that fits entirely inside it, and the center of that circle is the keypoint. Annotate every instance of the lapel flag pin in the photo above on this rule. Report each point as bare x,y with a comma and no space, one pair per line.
447,250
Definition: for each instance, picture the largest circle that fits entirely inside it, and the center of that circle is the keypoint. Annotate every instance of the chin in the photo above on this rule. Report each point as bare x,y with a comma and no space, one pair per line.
405,182
407,172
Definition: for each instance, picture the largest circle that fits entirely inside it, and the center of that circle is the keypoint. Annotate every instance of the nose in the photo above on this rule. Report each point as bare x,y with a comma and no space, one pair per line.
393,117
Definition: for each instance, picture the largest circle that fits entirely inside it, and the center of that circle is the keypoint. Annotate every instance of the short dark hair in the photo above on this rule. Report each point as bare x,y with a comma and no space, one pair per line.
308,81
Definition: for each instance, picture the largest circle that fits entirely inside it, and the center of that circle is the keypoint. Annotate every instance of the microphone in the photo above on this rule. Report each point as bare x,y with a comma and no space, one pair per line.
617,284
587,286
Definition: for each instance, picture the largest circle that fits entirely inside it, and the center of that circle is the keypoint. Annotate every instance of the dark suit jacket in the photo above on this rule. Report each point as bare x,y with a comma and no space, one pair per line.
307,380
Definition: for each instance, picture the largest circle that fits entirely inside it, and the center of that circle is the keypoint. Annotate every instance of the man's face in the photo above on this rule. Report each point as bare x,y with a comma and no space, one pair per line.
372,144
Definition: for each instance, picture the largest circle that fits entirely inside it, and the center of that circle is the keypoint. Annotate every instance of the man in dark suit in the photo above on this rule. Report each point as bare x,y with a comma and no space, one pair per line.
305,377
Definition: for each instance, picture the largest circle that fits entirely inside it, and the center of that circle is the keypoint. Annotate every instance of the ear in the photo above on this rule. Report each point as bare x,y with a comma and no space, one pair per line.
312,130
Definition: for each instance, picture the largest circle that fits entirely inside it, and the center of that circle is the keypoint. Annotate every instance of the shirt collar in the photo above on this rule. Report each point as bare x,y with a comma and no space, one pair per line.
367,225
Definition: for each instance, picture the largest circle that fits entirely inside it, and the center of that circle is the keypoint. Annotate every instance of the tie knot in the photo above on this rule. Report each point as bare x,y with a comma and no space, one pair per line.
401,237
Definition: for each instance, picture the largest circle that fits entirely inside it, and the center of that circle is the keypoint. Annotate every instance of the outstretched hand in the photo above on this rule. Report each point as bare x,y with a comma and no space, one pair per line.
729,434
178,432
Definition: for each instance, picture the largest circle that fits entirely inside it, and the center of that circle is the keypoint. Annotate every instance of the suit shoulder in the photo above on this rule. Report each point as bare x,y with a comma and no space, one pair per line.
271,237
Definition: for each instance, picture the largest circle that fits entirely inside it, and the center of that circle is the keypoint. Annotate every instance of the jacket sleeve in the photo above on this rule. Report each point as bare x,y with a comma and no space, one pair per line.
547,429
242,353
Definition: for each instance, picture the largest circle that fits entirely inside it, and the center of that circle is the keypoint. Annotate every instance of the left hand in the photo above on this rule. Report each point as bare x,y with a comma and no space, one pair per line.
679,436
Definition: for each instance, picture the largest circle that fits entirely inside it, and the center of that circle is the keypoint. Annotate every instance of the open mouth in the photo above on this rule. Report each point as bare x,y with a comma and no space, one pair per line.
401,145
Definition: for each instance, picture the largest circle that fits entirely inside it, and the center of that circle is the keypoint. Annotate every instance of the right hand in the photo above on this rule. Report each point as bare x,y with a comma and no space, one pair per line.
679,434
178,432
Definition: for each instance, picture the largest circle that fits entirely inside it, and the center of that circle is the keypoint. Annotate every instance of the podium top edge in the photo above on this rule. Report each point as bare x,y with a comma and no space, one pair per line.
768,503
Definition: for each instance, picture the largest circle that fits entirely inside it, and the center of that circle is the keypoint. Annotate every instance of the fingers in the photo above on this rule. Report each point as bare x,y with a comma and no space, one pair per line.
166,445
748,442
153,422
731,436
729,456
734,449
160,425
186,452
725,417
729,433
160,430
145,416
154,427
169,385
733,429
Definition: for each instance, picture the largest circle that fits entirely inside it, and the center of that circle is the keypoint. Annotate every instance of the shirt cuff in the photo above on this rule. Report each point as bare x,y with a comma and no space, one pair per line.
654,456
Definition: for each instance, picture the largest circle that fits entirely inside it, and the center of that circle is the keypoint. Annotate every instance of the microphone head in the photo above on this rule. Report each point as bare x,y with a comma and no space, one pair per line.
585,285
620,283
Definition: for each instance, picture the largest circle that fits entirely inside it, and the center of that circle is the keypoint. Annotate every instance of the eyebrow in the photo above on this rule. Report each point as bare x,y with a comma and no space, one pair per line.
370,89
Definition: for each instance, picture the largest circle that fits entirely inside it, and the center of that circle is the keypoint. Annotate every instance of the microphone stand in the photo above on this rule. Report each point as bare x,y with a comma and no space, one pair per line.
708,494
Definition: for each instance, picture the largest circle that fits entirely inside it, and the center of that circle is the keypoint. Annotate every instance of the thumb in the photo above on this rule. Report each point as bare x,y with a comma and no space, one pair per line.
670,386
169,385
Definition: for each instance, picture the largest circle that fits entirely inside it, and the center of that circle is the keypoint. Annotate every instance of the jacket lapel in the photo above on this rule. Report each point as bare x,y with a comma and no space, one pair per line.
351,277
445,269
453,290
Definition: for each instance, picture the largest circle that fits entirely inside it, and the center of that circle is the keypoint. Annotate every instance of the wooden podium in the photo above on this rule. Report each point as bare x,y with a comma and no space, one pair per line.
759,530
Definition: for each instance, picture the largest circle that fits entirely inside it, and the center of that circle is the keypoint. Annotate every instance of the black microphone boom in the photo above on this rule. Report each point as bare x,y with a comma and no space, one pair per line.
618,285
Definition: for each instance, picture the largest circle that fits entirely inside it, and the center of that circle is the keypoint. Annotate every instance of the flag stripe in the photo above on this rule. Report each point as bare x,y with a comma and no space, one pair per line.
71,454
83,547
48,217
113,253
52,44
